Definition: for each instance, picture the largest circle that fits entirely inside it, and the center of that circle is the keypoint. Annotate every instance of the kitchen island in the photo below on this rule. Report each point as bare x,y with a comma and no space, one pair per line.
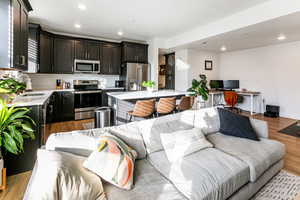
122,102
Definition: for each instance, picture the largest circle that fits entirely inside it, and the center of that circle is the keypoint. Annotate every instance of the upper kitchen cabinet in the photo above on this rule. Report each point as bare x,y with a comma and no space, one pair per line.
110,58
63,55
134,52
46,52
87,50
20,9
33,47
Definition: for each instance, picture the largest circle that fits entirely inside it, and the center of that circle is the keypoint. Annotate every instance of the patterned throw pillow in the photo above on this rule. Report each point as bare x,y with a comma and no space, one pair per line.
113,161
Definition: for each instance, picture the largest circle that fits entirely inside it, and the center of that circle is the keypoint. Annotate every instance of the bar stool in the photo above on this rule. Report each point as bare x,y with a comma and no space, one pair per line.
142,109
185,103
166,106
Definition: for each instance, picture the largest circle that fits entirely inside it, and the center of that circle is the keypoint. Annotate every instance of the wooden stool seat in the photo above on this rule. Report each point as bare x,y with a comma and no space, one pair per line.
186,103
166,106
142,109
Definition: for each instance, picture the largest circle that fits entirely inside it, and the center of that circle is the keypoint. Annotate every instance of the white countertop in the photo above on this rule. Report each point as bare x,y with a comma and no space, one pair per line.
23,101
145,94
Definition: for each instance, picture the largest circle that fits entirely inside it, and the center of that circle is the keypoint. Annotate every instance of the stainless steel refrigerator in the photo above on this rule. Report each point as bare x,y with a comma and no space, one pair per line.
134,74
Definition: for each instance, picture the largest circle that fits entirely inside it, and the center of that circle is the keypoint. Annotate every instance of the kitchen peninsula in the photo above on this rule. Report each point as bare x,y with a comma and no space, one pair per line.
122,102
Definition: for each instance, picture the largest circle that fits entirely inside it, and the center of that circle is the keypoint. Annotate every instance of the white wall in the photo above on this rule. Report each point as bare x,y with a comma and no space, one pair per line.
197,63
48,81
182,70
153,58
190,64
272,70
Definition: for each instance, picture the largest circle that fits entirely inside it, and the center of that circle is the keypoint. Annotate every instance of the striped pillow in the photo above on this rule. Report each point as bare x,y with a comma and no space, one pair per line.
113,161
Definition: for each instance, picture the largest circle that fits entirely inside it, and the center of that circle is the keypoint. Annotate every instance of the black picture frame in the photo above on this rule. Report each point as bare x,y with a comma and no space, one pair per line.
208,65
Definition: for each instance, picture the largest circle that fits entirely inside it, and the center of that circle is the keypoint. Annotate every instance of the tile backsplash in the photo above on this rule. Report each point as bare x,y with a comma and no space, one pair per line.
48,81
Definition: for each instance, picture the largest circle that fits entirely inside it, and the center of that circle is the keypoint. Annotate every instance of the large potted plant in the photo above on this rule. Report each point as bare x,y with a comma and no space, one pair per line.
200,90
10,87
15,126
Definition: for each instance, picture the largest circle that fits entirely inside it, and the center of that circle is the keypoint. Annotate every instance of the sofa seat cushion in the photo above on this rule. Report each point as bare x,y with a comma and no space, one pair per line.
153,128
259,155
208,174
148,185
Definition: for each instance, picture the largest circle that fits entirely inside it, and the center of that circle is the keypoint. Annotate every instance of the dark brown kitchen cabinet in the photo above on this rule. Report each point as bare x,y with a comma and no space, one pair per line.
110,58
87,50
20,9
63,55
63,107
134,52
46,53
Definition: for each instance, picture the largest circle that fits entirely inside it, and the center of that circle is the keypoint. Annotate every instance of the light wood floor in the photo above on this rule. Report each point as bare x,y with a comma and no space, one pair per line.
17,184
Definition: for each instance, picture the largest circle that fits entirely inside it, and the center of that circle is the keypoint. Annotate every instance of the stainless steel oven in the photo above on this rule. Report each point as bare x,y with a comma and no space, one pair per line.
87,66
87,98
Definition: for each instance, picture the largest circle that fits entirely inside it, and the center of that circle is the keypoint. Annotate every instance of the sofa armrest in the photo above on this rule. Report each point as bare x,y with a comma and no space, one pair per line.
260,127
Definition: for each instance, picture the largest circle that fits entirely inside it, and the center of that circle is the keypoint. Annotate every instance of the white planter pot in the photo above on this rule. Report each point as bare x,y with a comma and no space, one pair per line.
150,89
199,103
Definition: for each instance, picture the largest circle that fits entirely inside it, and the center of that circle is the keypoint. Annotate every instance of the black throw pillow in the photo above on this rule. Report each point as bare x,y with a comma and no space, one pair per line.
236,125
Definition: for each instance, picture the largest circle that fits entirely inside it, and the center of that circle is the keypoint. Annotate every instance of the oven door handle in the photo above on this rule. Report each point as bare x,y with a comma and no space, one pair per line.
87,92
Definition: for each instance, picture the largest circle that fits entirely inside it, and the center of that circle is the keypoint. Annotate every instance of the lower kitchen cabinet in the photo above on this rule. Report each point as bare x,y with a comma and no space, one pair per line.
63,106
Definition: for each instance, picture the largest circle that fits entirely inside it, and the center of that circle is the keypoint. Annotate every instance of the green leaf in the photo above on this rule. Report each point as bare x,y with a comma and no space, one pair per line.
17,136
27,127
15,125
18,113
9,144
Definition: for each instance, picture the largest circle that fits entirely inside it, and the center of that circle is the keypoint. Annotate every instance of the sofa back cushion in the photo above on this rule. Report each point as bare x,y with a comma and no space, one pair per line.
131,135
207,120
260,127
151,129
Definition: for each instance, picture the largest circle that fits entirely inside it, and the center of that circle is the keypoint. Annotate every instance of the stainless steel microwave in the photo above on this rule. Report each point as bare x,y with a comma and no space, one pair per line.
87,66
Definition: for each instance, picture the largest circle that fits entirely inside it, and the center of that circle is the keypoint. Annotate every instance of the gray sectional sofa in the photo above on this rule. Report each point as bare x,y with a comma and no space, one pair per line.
234,169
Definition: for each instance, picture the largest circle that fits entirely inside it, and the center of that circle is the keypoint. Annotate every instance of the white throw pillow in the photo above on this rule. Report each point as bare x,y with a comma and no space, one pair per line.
182,143
61,176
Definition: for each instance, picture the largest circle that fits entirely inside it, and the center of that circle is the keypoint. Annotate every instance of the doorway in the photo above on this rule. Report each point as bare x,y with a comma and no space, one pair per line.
166,76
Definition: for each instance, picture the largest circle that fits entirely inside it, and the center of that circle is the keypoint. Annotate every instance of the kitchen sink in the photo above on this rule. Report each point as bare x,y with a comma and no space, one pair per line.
33,95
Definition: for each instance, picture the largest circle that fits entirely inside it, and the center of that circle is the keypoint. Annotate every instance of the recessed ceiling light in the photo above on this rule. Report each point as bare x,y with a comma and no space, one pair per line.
77,26
81,6
281,37
120,33
223,48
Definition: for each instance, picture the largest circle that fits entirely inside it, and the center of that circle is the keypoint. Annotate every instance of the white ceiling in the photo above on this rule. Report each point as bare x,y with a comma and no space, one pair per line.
262,34
138,19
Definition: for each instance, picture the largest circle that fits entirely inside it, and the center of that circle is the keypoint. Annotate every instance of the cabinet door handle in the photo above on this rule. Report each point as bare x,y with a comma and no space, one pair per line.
23,60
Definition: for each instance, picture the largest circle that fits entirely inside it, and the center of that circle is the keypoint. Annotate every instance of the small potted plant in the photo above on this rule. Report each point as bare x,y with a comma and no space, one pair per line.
149,85
15,126
10,87
200,90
